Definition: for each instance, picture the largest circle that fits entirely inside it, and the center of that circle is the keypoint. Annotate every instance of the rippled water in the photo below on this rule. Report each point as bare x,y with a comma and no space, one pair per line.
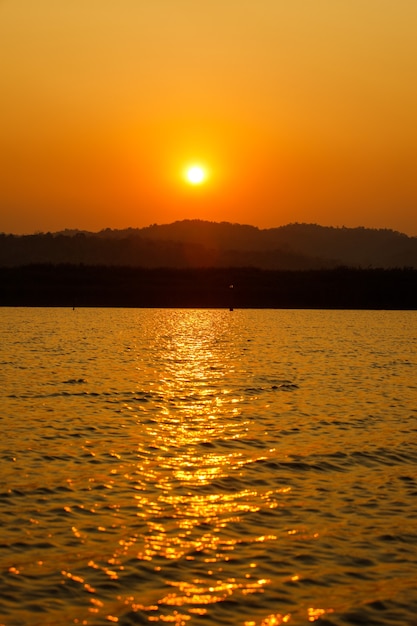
250,468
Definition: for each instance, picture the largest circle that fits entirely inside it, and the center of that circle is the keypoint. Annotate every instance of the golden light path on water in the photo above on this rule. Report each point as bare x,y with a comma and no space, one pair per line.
203,466
193,524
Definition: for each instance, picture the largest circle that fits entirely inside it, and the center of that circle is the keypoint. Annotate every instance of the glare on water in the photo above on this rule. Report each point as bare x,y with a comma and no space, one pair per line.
167,466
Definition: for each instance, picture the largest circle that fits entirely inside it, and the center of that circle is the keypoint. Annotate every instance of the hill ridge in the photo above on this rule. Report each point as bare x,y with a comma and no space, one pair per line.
201,243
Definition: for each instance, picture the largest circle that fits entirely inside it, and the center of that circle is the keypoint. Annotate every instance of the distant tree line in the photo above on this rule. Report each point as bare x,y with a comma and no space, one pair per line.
197,243
68,285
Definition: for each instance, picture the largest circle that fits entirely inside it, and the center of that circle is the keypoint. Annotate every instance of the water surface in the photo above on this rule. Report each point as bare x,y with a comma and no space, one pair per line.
249,468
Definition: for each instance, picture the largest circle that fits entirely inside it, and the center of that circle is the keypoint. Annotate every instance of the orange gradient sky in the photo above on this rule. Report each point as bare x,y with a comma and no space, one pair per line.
300,111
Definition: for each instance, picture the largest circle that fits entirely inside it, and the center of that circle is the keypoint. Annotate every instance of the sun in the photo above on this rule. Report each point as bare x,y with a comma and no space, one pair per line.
195,174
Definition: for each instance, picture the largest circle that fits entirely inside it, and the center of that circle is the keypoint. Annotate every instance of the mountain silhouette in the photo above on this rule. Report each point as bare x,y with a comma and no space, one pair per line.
204,244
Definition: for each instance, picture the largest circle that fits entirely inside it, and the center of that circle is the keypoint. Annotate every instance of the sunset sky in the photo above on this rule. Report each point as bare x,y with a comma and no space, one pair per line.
295,111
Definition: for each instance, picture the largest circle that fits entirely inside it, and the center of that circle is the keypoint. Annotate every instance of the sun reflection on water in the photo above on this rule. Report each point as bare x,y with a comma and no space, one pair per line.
195,471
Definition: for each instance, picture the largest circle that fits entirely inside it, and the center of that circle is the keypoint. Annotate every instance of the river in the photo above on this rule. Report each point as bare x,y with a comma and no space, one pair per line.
243,468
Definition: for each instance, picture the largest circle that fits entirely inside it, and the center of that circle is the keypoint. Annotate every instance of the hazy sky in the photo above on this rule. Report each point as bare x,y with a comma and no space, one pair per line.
300,111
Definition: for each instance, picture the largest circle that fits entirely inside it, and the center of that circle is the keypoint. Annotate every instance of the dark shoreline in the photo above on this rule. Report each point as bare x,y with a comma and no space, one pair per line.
69,285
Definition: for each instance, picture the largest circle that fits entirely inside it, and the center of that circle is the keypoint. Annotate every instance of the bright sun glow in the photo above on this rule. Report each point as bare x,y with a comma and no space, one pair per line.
195,175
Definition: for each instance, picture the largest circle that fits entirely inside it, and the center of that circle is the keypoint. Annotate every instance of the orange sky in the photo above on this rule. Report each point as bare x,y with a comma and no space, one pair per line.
302,111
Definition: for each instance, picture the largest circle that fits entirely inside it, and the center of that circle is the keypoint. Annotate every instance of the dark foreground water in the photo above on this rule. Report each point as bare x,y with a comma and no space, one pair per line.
250,468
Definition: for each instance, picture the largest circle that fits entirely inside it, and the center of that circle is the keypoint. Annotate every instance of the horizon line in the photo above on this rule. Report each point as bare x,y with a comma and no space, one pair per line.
204,221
